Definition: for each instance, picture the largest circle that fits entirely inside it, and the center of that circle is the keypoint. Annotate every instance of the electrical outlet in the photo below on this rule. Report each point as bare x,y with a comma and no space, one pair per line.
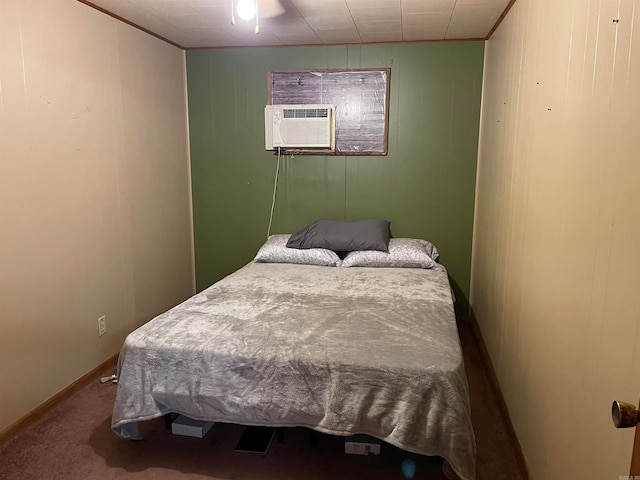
102,325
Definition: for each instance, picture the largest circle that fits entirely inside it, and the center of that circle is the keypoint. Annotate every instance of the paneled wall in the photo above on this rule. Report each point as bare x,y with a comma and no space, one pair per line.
424,186
556,263
94,192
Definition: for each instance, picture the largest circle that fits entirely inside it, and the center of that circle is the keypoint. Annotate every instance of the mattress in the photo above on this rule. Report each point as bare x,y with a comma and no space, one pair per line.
339,350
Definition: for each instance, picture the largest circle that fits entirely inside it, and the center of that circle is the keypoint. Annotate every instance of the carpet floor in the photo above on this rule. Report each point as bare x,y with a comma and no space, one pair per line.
73,441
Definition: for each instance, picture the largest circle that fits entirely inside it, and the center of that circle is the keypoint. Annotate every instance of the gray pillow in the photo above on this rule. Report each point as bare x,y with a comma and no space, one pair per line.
275,250
343,236
403,253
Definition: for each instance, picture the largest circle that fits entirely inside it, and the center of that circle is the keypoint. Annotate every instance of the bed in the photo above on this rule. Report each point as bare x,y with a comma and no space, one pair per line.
339,350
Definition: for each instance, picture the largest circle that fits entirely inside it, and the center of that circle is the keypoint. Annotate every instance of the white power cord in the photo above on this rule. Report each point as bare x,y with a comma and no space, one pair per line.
111,378
273,200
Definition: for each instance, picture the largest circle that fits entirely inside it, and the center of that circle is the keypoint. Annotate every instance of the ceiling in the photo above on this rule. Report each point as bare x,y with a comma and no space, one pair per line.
207,23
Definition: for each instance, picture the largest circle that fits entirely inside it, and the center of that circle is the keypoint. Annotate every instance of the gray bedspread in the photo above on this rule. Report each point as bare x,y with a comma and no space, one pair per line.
339,350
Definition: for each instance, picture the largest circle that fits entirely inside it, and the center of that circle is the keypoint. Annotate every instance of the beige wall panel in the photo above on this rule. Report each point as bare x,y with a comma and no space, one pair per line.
556,264
94,192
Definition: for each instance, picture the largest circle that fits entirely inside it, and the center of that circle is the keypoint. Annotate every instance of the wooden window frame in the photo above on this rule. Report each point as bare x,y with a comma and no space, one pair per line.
345,123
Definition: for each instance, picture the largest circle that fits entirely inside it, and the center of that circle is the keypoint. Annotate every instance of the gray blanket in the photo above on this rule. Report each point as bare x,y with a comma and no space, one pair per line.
339,350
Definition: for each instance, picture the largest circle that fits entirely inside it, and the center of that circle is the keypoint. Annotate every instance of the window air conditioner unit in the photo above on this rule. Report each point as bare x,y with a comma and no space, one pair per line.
299,126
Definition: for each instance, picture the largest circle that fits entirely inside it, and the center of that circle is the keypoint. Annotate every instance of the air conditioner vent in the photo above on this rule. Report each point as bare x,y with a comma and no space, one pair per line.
305,112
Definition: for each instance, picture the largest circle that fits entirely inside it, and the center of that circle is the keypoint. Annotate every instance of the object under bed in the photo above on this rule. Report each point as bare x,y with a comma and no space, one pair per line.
339,350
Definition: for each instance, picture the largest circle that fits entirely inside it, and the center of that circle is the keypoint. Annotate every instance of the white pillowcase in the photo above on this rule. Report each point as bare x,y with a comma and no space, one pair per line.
275,250
403,253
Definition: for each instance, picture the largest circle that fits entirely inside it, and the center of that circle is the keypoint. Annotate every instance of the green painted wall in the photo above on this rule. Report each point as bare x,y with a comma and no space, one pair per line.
425,185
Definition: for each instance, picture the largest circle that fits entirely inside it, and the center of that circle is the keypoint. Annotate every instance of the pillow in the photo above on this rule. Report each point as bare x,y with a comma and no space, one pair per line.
403,253
431,249
342,236
275,250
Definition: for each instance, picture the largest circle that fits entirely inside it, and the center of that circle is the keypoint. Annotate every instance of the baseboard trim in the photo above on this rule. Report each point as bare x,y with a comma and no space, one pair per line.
37,412
495,386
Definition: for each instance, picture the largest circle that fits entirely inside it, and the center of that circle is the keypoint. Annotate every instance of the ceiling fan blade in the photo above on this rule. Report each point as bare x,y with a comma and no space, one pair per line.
270,8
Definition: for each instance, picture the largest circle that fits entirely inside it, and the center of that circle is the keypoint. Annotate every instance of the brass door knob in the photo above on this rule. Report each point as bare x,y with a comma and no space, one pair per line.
625,415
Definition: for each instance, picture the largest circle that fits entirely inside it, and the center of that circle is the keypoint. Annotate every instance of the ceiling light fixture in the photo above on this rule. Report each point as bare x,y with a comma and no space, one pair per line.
247,9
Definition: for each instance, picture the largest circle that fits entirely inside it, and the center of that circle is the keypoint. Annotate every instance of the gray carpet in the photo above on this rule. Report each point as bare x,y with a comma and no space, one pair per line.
73,441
